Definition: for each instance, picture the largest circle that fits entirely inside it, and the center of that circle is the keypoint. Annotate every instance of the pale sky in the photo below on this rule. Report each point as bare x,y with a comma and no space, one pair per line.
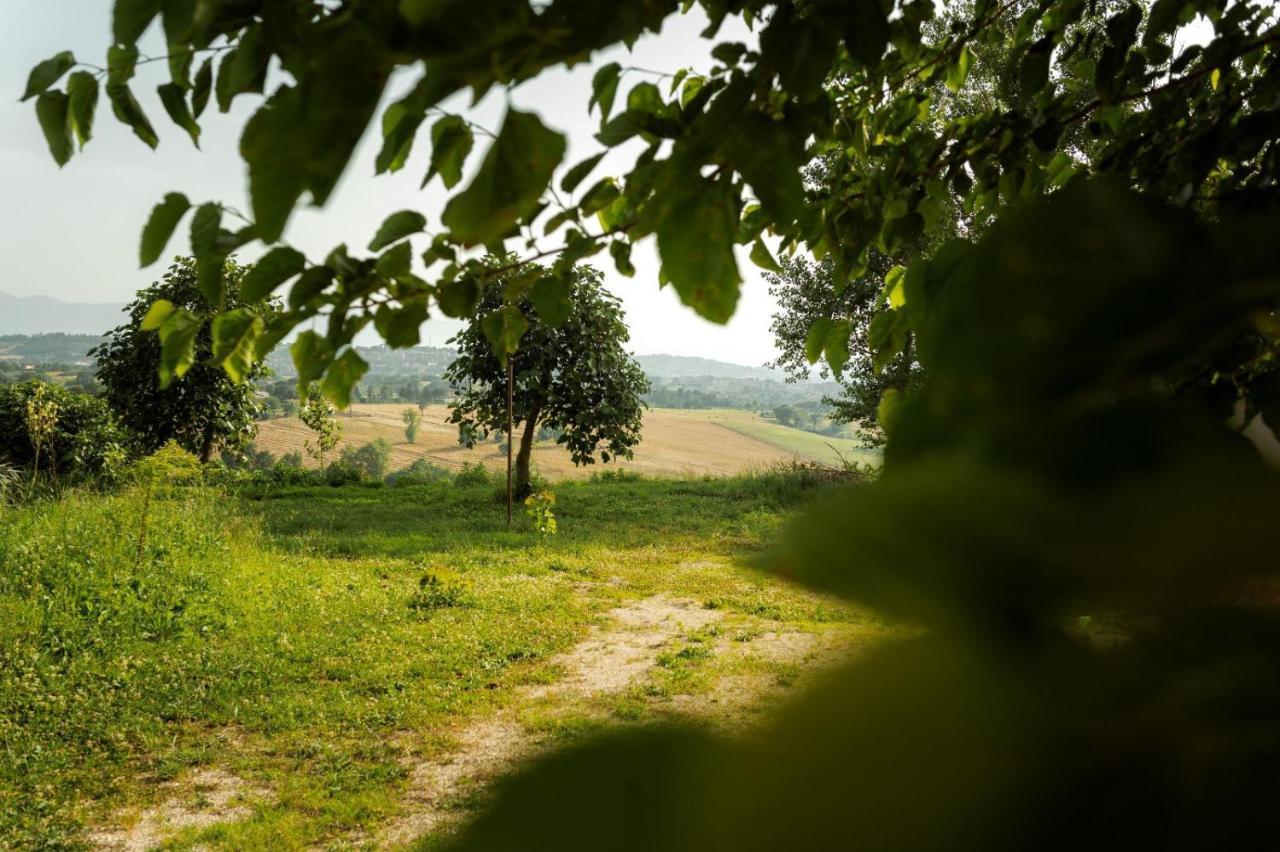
73,233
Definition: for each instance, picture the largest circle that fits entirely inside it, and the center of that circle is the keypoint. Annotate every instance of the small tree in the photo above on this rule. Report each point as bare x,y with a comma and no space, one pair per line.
317,415
205,408
412,420
571,373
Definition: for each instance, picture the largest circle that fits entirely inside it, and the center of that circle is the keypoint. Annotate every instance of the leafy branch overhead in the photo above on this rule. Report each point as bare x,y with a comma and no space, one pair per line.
869,89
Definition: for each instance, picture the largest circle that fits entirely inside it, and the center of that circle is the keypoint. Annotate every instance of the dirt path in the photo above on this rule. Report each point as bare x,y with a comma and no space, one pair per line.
615,656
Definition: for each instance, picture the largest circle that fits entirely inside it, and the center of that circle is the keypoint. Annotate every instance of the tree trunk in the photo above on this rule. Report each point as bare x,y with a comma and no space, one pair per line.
206,445
525,455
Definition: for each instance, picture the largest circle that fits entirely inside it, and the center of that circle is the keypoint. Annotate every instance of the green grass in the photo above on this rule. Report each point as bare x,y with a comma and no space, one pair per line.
808,445
288,636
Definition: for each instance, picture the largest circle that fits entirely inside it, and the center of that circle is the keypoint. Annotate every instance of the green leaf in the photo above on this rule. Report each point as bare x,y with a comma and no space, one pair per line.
400,327
400,123
244,68
516,170
204,229
51,110
762,258
396,261
620,251
887,337
276,267
887,410
177,345
578,173
504,328
156,315
894,289
696,234
174,99
130,19
451,144
604,88
458,298
1033,73
551,299
396,227
160,226
82,92
312,283
129,111
770,155
311,354
598,197
342,377
958,71
235,340
47,73
815,342
837,345
202,87
303,137
122,61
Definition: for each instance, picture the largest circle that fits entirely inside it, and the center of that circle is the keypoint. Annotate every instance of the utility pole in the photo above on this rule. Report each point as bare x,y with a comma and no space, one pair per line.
511,373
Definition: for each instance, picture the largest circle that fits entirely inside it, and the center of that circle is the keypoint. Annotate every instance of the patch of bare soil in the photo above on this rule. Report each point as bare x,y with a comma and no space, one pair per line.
610,659
205,798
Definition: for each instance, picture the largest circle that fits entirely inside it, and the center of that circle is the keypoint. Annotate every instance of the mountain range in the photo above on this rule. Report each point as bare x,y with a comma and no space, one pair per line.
46,315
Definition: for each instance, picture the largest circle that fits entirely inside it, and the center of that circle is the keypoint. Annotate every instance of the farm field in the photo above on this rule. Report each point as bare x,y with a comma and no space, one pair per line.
322,667
797,442
674,443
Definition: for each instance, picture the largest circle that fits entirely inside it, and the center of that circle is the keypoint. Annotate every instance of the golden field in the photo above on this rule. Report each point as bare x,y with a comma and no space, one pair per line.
675,442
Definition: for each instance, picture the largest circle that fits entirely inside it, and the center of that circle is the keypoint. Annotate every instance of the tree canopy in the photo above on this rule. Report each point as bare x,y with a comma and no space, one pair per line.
571,373
214,403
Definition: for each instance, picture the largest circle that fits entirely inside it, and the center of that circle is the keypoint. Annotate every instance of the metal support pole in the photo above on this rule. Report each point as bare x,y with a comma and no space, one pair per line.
511,372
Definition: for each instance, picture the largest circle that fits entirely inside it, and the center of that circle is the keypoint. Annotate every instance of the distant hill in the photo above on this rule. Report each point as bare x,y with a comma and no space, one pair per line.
44,315
687,366
47,348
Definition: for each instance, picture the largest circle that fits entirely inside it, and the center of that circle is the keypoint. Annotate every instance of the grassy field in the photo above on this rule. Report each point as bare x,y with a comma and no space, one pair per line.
346,668
675,443
796,442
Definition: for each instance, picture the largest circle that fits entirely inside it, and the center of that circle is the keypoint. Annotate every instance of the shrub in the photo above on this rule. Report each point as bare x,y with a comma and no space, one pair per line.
472,474
369,461
615,475
250,459
86,441
540,507
421,472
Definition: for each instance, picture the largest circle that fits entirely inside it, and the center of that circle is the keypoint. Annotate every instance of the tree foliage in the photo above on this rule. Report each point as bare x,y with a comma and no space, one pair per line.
572,373
814,316
86,441
215,404
316,413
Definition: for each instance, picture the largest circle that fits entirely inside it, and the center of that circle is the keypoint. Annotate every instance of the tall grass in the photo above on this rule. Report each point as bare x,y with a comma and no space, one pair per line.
92,629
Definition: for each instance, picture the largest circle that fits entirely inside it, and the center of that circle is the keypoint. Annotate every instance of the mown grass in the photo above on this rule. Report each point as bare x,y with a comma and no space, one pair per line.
288,635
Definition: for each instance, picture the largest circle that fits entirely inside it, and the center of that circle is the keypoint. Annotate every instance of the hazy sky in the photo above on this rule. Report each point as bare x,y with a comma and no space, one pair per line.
73,233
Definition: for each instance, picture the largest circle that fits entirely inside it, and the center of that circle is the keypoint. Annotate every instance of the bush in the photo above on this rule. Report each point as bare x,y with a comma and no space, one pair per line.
251,459
86,443
472,474
615,475
369,461
421,472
